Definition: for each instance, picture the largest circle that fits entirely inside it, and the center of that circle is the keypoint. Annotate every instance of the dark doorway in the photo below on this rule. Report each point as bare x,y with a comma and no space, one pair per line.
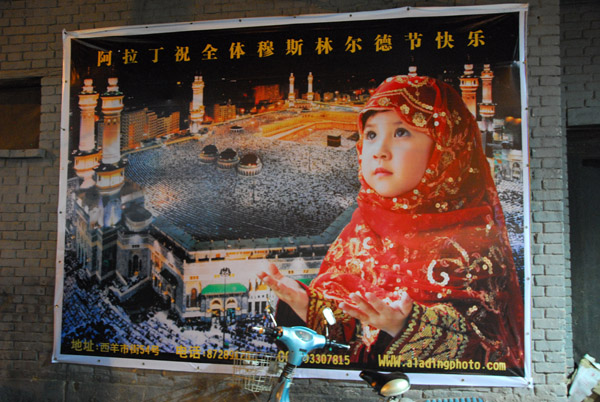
583,156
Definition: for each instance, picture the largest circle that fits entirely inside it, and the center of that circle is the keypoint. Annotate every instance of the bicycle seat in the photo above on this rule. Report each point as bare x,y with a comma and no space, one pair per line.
386,384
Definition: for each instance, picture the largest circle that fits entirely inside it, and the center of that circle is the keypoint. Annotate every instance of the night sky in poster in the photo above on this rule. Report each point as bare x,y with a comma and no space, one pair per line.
382,48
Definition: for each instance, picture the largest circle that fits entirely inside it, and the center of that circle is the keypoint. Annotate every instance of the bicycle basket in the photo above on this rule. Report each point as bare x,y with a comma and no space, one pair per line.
256,371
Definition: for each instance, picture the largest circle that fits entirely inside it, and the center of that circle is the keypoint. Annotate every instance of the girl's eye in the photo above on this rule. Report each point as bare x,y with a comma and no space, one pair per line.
369,135
401,132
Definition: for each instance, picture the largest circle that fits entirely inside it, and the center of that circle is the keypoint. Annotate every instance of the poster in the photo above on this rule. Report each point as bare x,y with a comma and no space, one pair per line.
195,155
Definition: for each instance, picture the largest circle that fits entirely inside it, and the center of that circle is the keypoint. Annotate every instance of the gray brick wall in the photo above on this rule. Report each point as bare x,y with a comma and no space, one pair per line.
31,45
580,52
580,43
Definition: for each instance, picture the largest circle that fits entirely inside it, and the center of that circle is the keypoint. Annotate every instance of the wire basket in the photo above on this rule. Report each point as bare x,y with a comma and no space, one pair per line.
256,371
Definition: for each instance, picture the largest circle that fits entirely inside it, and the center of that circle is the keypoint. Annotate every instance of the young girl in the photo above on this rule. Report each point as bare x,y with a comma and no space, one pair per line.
424,269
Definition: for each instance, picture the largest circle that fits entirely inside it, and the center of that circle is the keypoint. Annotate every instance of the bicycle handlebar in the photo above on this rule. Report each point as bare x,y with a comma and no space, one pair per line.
336,345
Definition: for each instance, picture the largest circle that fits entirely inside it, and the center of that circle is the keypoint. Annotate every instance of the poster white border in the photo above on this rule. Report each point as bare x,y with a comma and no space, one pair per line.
404,12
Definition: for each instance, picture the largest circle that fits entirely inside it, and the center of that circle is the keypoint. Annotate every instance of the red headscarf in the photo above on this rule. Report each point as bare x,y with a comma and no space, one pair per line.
443,242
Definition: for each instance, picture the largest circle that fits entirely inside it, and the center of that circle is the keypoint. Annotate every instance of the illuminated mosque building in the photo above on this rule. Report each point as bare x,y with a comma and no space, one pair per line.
500,137
292,93
110,174
197,105
468,87
228,159
249,165
122,245
310,95
87,157
309,98
99,209
209,154
487,108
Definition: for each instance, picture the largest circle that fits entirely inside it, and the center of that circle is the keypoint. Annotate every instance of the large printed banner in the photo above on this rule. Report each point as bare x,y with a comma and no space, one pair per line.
197,156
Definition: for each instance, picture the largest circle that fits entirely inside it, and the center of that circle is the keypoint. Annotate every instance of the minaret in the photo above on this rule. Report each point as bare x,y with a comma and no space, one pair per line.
292,95
87,157
197,105
468,86
110,175
310,95
487,109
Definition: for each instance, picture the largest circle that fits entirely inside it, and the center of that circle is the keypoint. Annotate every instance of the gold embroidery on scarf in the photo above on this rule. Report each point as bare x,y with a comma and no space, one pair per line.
419,119
388,244
418,84
449,122
384,102
463,252
441,207
354,266
404,205
450,189
445,160
488,265
367,243
456,117
337,249
417,102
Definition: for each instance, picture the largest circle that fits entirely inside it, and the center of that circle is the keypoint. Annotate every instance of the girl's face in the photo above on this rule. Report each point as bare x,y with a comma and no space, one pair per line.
394,154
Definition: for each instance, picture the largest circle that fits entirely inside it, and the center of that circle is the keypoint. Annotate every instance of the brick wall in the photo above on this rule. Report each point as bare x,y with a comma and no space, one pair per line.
31,45
580,44
580,54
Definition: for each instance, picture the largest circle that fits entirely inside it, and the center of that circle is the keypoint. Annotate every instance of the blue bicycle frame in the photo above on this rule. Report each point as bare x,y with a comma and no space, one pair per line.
300,341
